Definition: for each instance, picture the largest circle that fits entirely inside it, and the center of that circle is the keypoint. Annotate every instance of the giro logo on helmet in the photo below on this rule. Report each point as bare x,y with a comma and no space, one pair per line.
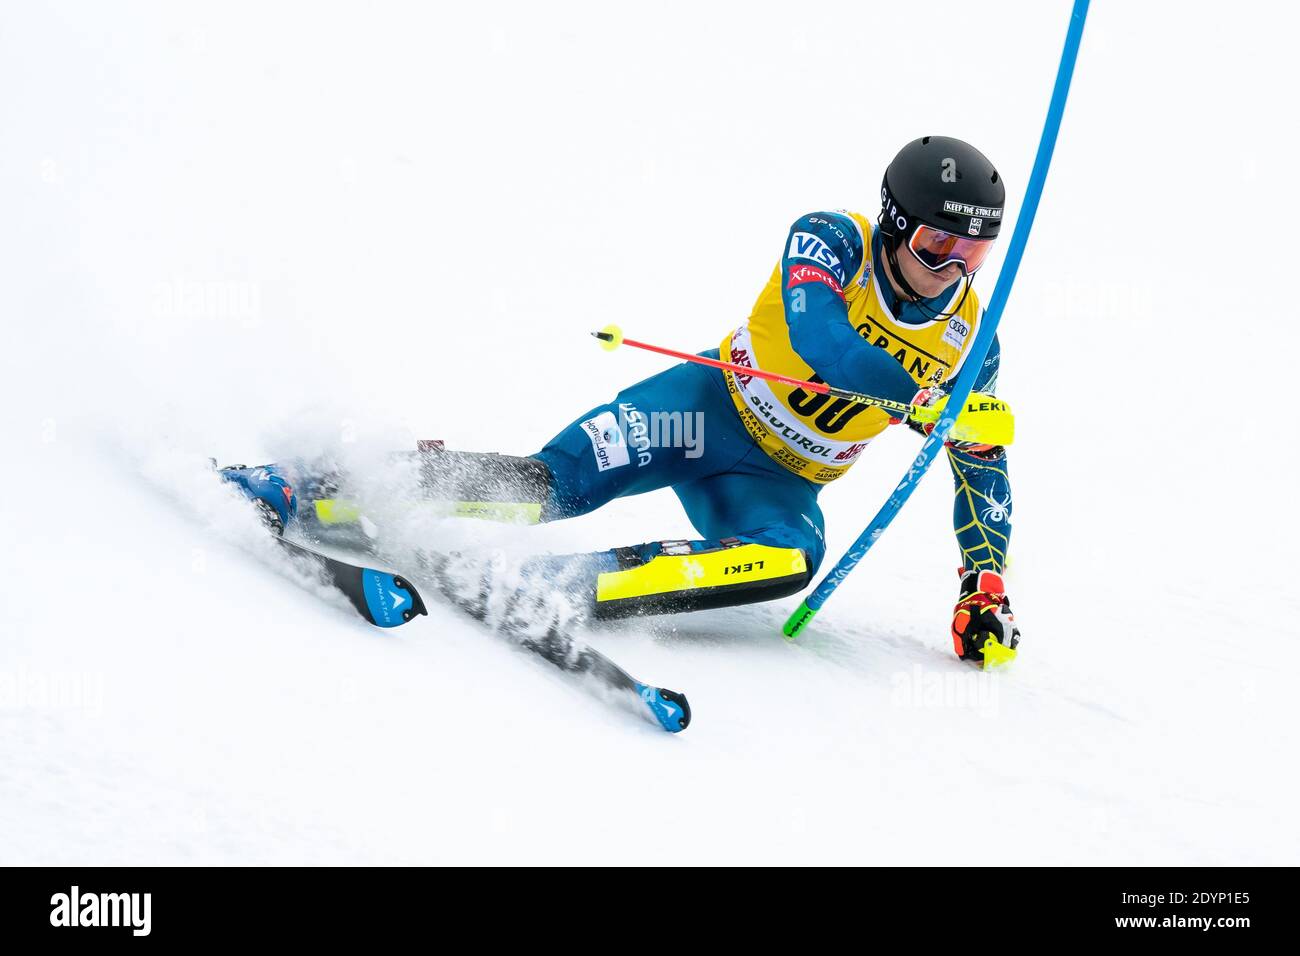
890,210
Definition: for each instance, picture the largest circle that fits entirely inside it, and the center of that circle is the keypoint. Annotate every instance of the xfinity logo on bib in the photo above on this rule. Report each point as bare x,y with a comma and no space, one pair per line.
102,909
804,245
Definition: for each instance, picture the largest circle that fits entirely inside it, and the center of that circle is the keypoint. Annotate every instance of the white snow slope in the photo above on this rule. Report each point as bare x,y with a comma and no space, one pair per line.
258,229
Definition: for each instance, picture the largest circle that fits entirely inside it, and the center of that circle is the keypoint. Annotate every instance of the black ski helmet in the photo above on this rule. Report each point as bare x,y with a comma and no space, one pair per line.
945,183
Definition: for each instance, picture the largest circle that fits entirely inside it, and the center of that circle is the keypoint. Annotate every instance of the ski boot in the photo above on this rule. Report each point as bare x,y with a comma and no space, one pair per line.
268,489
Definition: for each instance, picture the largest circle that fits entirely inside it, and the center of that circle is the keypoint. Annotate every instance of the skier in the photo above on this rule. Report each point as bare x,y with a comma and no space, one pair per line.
887,310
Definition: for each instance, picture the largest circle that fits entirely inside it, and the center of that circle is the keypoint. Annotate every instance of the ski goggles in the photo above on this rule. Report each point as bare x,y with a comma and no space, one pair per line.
936,249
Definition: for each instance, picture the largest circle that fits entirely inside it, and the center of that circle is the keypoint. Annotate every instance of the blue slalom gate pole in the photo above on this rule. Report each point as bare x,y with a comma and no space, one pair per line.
979,348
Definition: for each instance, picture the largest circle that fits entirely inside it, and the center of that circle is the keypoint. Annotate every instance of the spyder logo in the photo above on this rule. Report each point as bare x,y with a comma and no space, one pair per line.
997,510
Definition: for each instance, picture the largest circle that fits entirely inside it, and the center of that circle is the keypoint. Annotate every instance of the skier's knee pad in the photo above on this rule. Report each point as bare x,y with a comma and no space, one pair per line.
671,576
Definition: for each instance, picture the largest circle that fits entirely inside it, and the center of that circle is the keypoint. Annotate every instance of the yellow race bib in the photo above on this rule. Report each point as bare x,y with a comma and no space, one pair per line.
818,436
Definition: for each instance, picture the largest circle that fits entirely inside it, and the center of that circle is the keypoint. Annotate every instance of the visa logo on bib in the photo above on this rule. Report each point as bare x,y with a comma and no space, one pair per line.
804,245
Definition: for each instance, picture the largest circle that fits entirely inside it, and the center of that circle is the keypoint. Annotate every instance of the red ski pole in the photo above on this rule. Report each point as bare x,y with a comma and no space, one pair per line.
611,337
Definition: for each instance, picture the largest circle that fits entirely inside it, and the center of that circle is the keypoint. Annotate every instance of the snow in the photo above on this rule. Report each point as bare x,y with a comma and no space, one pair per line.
275,231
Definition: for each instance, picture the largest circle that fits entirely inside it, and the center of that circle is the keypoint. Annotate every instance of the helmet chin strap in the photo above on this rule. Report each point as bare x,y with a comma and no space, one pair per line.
892,242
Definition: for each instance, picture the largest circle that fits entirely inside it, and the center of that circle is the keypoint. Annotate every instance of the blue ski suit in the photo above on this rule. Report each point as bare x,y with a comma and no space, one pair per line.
681,429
